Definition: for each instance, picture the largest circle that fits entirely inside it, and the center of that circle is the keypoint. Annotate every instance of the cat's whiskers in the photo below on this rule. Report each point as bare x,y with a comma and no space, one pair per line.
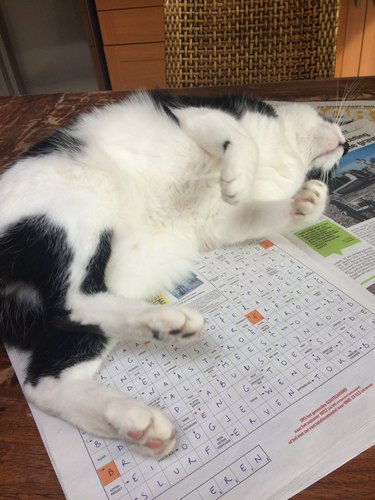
323,176
349,94
338,118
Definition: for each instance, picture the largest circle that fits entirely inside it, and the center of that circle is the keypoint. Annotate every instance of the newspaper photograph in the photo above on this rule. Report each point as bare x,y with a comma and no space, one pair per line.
352,193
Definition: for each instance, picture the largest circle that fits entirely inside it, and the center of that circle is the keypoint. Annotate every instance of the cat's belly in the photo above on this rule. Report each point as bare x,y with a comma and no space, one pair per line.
142,265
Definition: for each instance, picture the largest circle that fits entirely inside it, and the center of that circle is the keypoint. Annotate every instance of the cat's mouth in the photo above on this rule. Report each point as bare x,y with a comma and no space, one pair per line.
336,153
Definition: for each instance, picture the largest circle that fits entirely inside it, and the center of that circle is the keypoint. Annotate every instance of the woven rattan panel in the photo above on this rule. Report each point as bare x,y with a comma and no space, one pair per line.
234,42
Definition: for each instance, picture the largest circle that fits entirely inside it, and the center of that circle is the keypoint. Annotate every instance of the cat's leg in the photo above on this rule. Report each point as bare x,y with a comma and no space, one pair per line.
221,136
61,381
258,219
69,354
89,302
121,319
79,399
72,322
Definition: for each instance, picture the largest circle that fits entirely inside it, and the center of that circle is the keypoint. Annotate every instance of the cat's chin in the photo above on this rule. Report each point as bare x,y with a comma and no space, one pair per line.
328,159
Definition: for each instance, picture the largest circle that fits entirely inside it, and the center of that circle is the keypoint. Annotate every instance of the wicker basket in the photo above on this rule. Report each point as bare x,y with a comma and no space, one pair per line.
234,42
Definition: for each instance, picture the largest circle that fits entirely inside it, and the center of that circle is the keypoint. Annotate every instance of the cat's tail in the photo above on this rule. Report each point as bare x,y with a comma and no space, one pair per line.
22,314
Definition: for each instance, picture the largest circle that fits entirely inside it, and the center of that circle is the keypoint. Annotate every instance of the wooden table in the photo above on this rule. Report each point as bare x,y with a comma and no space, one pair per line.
25,469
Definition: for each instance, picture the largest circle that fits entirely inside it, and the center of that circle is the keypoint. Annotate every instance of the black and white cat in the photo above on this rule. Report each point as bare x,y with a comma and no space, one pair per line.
117,207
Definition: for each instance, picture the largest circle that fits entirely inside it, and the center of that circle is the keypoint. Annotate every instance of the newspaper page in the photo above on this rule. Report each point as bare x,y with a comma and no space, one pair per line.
284,370
278,392
345,239
346,112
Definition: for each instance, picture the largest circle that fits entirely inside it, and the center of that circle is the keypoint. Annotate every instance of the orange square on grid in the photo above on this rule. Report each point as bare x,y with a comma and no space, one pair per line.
266,244
108,473
254,316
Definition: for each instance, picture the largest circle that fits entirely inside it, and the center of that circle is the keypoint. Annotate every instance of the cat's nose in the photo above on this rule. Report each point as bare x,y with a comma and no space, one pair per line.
346,147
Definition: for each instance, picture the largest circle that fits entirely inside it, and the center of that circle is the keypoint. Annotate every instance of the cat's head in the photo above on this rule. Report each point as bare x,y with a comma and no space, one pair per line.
320,142
299,142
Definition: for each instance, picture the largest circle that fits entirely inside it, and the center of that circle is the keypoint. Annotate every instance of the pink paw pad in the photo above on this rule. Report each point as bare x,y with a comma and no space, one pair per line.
137,435
153,443
150,443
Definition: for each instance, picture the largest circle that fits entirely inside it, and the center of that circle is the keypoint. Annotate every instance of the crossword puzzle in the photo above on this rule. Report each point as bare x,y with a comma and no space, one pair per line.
276,331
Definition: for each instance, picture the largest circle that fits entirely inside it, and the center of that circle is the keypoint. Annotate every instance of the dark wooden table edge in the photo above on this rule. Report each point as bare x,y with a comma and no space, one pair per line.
330,89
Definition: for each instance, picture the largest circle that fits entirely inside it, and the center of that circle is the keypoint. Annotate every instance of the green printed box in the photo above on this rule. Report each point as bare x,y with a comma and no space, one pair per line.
326,238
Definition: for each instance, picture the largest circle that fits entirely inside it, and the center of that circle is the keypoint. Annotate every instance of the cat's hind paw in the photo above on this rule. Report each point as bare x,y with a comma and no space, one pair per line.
175,324
310,202
147,430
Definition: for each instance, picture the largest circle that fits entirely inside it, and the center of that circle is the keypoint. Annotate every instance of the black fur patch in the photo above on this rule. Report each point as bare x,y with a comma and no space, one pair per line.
35,256
156,334
225,145
314,173
235,105
36,252
94,280
61,140
63,345
164,102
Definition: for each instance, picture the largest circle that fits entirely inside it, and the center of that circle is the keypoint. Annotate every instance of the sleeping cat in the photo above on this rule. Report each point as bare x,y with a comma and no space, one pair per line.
118,206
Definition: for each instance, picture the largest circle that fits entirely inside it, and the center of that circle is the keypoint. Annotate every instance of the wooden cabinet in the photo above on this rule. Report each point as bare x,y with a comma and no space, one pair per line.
356,38
132,33
133,42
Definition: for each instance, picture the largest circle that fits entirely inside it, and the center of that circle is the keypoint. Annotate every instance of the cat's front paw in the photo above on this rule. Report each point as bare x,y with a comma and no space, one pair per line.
147,429
310,202
234,184
175,324
238,171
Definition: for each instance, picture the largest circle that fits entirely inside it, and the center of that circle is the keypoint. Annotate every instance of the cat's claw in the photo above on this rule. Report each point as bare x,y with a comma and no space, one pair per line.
146,429
175,324
310,201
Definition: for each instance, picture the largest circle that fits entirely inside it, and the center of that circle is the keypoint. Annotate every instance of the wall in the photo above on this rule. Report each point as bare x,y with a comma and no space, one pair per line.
48,46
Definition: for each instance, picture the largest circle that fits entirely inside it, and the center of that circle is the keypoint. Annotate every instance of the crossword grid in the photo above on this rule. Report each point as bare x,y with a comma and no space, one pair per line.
277,332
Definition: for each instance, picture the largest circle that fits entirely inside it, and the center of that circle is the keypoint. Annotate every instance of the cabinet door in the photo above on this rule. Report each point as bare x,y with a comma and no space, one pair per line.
367,62
136,66
132,25
350,37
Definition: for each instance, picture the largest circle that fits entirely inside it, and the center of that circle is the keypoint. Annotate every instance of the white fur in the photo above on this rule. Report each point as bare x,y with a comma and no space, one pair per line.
168,193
